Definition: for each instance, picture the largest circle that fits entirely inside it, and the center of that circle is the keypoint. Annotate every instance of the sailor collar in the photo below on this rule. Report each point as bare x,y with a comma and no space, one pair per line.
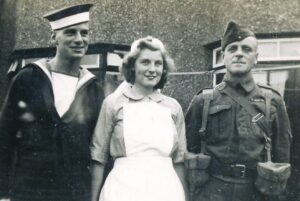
84,75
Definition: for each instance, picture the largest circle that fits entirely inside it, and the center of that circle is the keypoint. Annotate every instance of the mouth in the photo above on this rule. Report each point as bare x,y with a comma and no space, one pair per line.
77,48
239,62
150,77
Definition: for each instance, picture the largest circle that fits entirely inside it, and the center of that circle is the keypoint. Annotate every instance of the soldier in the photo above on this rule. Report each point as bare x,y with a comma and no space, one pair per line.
243,120
49,117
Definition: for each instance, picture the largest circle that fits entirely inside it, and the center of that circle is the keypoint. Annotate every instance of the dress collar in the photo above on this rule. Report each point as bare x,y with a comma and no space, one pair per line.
132,94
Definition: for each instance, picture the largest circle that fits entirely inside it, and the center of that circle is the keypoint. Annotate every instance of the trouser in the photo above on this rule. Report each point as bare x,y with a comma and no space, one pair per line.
219,190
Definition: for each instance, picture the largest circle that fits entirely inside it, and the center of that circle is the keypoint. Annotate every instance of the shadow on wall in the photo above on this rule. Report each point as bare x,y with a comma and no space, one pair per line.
7,41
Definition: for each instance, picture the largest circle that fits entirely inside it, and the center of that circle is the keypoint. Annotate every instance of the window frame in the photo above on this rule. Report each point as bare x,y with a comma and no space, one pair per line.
278,57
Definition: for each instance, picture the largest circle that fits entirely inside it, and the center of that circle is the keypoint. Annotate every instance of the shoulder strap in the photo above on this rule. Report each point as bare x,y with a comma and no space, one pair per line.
207,95
268,142
256,117
268,97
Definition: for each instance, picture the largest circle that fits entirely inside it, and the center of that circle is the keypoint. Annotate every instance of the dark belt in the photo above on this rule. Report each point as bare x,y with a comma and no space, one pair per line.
233,170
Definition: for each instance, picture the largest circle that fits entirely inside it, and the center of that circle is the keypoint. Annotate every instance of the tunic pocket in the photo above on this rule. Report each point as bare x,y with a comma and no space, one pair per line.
219,121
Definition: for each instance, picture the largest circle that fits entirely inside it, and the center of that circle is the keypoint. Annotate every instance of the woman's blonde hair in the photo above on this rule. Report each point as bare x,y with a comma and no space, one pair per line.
137,46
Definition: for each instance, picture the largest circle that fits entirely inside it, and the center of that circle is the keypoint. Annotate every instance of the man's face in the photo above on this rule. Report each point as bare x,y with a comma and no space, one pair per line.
240,56
72,41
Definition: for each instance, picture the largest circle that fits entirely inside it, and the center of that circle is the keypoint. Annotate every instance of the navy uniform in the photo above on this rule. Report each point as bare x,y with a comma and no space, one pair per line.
52,150
233,139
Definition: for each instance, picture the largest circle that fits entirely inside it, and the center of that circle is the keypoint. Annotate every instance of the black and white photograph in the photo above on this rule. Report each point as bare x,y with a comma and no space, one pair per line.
148,100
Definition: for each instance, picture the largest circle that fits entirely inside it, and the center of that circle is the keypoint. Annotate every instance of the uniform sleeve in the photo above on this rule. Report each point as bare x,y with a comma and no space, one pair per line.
9,124
193,121
180,126
100,145
282,136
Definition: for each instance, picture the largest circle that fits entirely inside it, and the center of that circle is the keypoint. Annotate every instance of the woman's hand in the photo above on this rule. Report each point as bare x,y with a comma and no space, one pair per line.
97,172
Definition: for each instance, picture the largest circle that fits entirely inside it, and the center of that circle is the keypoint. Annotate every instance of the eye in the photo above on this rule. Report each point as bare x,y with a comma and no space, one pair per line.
84,33
232,48
247,49
145,61
158,63
69,32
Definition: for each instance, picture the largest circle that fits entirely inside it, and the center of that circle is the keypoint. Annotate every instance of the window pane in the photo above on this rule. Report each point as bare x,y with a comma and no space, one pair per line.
114,60
260,77
219,59
278,80
289,48
267,50
90,61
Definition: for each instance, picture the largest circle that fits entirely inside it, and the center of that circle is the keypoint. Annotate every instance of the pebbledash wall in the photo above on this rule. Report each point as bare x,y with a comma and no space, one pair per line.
187,27
191,30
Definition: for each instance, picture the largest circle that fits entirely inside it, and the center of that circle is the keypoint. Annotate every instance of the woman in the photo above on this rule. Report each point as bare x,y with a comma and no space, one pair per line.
143,131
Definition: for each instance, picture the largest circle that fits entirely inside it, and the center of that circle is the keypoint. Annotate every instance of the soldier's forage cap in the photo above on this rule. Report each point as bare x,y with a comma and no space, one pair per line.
235,32
68,16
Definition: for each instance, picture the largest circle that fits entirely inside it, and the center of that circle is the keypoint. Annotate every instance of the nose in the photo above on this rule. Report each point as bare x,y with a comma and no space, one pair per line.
152,68
239,52
78,37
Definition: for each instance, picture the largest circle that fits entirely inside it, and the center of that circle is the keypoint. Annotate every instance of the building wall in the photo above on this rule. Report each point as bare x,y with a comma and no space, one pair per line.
185,26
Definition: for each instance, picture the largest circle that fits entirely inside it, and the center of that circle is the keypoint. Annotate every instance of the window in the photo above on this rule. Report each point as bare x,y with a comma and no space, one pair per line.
90,61
217,57
282,49
279,49
114,60
267,50
275,78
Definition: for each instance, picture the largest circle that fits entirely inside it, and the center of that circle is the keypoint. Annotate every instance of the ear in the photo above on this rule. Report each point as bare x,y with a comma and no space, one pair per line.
256,58
53,38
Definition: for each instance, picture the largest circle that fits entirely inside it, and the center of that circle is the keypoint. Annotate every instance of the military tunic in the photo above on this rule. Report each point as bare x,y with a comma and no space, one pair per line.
234,141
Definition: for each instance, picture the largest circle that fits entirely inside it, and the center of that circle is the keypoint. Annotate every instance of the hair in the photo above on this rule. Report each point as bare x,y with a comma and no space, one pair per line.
149,42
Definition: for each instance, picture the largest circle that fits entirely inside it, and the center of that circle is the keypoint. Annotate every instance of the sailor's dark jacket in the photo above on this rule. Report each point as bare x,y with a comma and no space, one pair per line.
50,154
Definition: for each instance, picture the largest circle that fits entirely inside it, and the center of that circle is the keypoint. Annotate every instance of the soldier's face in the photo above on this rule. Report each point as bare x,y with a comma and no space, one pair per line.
239,57
72,42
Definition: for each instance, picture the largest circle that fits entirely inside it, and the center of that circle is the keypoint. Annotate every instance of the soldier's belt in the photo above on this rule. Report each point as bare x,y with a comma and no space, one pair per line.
233,170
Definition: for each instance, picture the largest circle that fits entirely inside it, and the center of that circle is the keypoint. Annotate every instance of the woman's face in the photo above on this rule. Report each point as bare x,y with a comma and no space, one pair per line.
148,68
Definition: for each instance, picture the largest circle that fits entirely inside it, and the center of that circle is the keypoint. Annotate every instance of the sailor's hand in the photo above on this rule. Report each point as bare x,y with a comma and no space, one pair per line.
5,199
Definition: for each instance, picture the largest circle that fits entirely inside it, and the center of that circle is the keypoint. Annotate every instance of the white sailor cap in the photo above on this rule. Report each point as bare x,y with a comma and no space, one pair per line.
68,16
